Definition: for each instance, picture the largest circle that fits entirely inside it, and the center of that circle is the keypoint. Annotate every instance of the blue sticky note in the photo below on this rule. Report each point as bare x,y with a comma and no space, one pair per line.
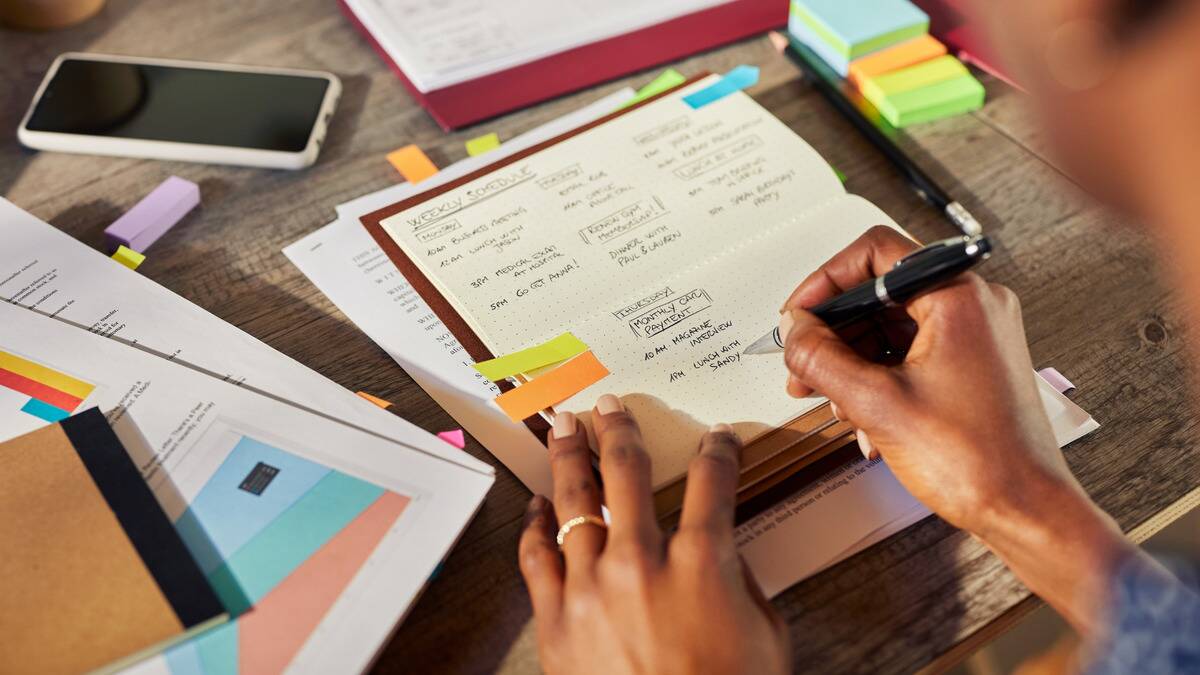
735,80
840,64
855,29
45,411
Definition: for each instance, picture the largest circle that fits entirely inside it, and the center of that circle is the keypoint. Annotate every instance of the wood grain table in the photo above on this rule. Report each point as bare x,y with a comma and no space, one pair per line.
1094,309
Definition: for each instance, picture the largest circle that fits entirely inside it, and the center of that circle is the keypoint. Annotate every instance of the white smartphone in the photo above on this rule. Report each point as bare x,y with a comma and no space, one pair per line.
181,110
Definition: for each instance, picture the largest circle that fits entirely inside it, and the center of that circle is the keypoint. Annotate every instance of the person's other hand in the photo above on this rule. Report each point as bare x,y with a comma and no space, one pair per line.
626,599
958,420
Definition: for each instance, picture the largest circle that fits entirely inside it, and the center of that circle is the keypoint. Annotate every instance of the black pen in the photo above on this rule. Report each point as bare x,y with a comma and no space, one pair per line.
824,80
919,272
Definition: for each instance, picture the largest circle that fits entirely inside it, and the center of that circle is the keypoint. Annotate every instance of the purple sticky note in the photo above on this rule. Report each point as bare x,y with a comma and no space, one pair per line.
1056,379
150,218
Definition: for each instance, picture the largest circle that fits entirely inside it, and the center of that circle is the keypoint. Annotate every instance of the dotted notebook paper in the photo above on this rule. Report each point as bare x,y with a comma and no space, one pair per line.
665,239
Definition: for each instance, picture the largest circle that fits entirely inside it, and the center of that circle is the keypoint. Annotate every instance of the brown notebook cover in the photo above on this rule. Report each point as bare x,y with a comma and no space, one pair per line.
764,462
94,575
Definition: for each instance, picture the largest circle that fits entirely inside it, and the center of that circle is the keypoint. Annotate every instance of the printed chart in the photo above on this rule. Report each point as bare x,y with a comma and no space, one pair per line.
279,537
53,395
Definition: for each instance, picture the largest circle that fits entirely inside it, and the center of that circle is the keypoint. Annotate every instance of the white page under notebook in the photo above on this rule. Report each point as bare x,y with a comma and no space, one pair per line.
664,239
47,271
445,42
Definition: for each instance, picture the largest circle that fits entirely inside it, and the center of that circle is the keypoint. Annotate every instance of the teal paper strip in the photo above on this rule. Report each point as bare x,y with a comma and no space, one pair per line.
735,80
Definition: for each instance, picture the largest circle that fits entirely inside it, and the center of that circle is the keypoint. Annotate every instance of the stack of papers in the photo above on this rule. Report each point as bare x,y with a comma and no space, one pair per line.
468,60
884,49
861,503
316,516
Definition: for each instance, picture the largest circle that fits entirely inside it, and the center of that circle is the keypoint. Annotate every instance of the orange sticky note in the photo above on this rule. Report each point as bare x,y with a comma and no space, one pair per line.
894,58
412,163
375,399
554,387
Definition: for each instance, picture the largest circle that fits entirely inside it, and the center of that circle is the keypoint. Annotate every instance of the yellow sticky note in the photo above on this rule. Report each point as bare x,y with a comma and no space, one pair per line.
128,257
375,399
560,348
485,143
412,163
552,388
668,79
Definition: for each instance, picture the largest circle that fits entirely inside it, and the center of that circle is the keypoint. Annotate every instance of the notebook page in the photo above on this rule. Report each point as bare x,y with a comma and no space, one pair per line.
677,362
542,244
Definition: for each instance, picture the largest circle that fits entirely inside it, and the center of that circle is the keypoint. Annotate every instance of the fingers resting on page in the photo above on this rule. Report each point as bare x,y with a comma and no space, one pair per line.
623,595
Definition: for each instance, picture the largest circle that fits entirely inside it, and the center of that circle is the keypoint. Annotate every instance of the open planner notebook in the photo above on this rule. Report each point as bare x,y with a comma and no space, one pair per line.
665,237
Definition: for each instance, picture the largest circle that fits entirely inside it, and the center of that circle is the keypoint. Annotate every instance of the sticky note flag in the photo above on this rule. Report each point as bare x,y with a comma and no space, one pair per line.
454,438
668,79
156,213
412,163
1056,379
854,29
375,399
944,99
735,80
903,55
552,388
482,144
560,348
841,176
128,257
912,78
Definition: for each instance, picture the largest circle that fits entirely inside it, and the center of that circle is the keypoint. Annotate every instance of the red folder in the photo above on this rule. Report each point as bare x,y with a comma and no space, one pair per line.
473,101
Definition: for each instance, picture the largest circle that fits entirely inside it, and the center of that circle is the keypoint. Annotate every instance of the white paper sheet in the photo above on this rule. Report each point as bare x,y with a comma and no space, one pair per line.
181,425
46,270
445,42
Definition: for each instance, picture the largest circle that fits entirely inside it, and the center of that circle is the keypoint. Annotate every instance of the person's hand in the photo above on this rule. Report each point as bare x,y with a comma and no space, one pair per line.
958,420
625,599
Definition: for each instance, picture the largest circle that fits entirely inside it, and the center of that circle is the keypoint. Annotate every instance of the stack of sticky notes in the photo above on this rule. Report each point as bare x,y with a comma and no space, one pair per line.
884,48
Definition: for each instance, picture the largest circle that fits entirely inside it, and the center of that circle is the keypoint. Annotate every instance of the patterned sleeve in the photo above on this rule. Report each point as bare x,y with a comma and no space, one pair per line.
1155,623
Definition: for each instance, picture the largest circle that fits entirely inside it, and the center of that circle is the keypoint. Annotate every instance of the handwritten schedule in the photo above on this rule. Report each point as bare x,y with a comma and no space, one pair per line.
666,239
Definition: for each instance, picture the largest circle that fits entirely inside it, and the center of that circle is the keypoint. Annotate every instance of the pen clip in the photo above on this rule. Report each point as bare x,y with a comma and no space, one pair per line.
935,246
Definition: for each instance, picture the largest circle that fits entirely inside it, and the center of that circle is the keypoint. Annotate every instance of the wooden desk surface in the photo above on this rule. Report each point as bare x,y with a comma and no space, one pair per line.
927,592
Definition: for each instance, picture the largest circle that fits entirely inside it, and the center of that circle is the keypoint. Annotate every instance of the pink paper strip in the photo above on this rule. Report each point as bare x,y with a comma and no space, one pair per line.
454,438
1056,380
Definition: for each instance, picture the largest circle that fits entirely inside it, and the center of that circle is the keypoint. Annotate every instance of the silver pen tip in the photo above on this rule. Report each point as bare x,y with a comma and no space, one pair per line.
764,345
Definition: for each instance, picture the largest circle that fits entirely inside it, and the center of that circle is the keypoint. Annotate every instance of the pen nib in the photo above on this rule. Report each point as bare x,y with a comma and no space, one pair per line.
764,345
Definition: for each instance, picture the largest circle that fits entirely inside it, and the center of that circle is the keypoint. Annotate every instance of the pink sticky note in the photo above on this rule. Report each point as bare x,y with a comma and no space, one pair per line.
150,218
454,438
1056,380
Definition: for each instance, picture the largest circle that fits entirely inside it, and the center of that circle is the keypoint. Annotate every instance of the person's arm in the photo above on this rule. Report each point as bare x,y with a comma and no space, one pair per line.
961,424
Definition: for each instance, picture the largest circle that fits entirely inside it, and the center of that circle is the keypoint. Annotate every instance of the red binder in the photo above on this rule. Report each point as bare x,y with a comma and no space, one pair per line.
469,102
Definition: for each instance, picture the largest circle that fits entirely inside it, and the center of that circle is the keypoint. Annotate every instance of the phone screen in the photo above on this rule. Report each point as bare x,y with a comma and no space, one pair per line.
185,105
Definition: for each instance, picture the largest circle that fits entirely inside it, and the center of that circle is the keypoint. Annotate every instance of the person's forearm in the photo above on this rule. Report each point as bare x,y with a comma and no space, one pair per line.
1065,549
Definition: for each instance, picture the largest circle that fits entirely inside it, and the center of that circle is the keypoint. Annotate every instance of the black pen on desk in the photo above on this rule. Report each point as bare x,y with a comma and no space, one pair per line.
824,80
919,272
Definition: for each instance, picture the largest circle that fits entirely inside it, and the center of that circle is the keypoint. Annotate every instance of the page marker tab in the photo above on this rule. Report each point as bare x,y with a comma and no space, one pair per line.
156,213
375,399
1056,379
560,348
668,79
482,144
412,163
128,257
454,437
735,80
552,388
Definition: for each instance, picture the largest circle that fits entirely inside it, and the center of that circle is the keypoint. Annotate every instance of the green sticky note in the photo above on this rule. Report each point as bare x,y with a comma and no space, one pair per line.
668,79
913,77
841,176
485,143
857,28
944,99
560,348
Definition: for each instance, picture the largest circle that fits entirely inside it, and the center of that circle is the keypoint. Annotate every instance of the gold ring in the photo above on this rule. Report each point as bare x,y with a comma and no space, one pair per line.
577,521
